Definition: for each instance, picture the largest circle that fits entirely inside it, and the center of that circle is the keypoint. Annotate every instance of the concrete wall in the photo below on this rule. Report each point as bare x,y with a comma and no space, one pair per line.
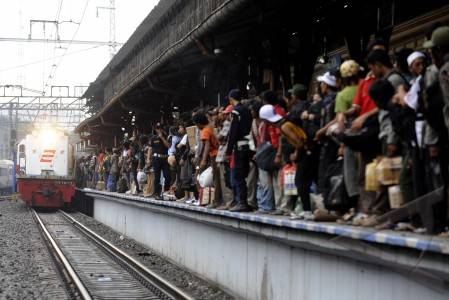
252,266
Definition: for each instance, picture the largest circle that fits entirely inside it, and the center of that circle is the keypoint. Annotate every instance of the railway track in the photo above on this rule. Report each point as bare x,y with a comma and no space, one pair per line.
96,269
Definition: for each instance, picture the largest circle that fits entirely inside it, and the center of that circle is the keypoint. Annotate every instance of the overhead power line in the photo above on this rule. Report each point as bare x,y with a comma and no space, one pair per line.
57,41
54,69
47,59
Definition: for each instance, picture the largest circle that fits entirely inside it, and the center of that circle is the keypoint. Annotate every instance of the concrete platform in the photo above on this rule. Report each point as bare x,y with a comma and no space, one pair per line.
266,257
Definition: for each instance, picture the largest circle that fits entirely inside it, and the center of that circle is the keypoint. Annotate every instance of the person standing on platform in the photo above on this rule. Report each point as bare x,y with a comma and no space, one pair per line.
238,149
209,155
157,154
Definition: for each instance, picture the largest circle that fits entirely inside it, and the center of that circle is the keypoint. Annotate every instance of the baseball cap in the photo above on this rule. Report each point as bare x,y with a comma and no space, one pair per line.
349,68
267,112
297,88
440,37
328,79
235,94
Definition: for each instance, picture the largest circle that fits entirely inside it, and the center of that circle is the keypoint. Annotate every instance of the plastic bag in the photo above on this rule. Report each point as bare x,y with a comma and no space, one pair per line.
206,179
207,195
395,196
288,174
141,177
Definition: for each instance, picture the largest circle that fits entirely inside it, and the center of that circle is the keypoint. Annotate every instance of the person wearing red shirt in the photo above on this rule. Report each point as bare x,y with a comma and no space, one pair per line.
270,193
363,106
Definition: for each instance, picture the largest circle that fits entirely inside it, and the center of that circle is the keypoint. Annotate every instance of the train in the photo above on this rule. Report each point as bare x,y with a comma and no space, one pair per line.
45,167
6,177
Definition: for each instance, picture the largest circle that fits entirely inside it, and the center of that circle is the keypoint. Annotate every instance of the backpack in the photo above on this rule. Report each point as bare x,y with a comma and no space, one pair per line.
300,134
265,156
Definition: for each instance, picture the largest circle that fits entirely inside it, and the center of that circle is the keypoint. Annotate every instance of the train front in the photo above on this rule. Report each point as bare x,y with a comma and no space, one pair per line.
45,176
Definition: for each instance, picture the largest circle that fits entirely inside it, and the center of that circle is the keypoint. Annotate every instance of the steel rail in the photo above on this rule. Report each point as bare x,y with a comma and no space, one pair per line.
154,279
66,264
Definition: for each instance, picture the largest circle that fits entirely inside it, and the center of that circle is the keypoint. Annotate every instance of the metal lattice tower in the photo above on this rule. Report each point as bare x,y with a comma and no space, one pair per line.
22,108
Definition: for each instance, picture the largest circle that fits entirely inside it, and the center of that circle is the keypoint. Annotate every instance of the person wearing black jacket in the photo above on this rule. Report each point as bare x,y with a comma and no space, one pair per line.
157,155
238,147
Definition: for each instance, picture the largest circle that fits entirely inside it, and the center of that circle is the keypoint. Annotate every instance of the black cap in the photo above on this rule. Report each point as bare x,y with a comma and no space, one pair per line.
235,94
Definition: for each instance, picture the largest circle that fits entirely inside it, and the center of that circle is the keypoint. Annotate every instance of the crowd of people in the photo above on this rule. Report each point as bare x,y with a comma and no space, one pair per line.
371,136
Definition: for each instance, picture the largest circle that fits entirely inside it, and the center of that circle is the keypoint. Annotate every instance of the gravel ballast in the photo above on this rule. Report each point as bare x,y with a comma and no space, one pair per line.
27,270
197,287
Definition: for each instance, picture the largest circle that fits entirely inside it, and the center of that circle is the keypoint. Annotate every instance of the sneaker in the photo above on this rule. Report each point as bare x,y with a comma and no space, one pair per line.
190,200
369,221
196,202
295,216
241,208
307,216
404,226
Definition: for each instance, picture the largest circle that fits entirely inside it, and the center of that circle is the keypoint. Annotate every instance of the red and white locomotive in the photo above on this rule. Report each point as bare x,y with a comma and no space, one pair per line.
45,164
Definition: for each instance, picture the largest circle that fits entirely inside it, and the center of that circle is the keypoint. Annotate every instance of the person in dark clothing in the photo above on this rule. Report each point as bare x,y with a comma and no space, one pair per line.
238,147
401,63
329,147
298,104
132,164
187,169
157,154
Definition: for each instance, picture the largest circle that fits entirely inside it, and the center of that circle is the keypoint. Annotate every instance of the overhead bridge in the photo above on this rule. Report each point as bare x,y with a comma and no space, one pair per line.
269,257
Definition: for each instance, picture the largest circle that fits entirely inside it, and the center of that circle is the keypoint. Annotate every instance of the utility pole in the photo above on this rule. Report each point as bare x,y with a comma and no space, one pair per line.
111,8
113,48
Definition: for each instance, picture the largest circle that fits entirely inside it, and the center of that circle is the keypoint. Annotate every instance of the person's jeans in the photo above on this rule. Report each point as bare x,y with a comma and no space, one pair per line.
160,165
252,184
265,191
112,182
226,188
239,174
278,189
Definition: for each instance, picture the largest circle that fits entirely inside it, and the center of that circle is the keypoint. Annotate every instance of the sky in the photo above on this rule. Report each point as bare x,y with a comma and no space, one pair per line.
38,66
